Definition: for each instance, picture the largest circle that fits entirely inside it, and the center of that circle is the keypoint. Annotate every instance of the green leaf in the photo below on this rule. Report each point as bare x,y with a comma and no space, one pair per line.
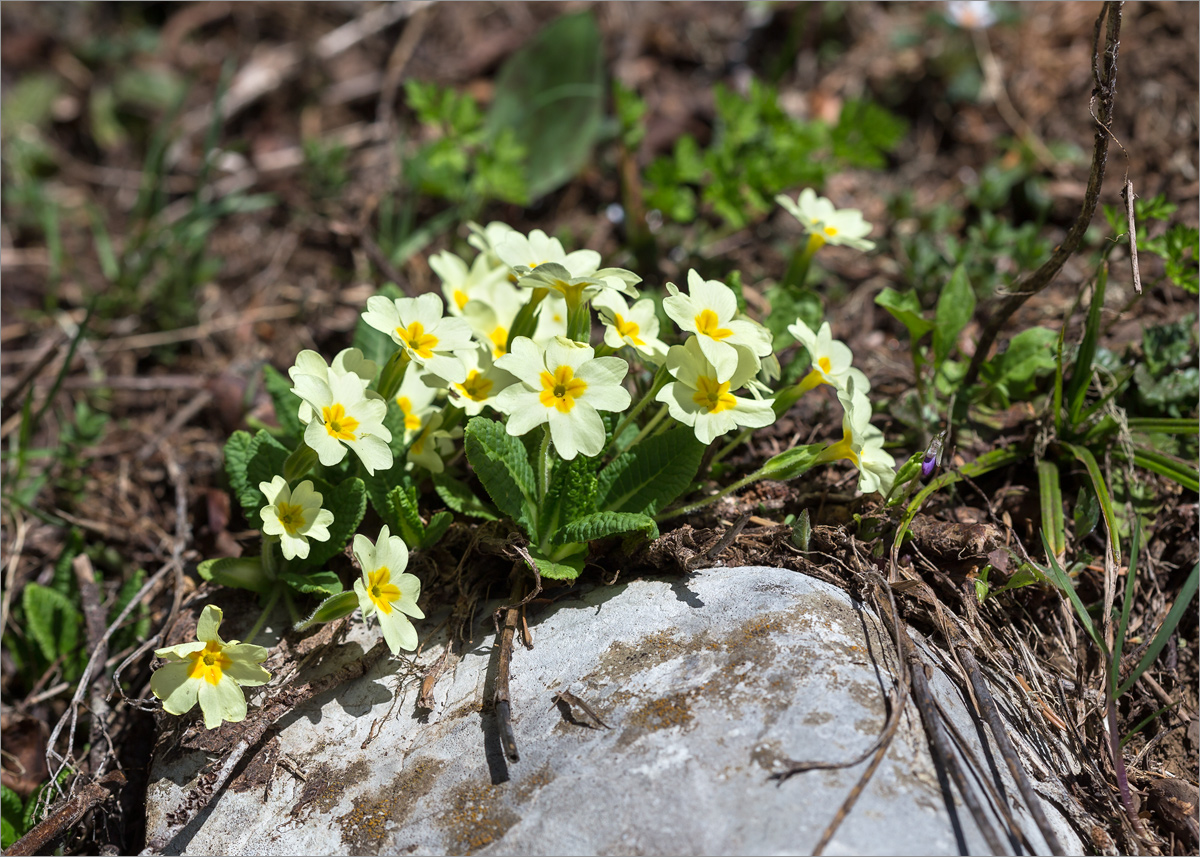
955,306
500,462
651,475
323,583
791,462
1182,605
375,344
10,812
570,496
551,94
348,502
53,620
287,403
406,518
1087,512
237,459
567,568
438,524
245,572
906,309
1063,581
603,524
1102,495
1030,353
1081,374
1050,496
460,498
265,461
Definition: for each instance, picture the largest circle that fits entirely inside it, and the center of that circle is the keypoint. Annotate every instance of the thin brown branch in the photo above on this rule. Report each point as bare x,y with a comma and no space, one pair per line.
62,821
500,697
1031,284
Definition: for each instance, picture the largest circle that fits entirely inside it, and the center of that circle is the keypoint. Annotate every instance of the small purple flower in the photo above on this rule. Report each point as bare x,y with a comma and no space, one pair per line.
933,455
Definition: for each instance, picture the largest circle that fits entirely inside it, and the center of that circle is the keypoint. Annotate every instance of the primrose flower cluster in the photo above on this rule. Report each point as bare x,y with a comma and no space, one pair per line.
526,338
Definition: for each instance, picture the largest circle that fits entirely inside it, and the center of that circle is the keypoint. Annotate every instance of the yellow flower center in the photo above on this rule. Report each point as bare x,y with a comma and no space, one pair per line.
713,395
709,324
830,231
338,423
381,589
561,389
825,364
411,421
476,387
628,329
291,516
416,339
460,298
499,338
209,663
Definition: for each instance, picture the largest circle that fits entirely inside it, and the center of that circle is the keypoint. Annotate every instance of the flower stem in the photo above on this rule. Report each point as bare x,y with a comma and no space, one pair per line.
797,272
654,421
544,466
660,380
267,610
700,504
270,557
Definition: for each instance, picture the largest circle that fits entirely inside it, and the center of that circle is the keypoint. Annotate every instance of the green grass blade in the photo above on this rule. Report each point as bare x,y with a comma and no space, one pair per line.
1081,374
1050,494
1181,605
1163,465
1063,581
66,366
1110,519
1164,425
1058,380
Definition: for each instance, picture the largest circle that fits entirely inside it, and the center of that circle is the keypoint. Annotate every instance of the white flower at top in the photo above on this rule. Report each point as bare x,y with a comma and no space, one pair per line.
524,253
349,361
862,443
485,238
209,671
830,359
417,326
461,284
708,311
702,398
971,14
385,591
828,225
635,326
343,416
295,516
416,400
563,385
484,382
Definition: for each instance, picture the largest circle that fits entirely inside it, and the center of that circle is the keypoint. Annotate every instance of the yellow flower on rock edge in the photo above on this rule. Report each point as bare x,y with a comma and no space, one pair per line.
209,671
564,385
294,515
385,591
828,225
701,396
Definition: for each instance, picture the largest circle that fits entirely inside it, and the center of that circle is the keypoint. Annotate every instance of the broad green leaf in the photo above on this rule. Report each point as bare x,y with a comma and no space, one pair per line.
438,524
1050,496
906,309
1102,494
568,568
603,524
323,583
551,94
11,806
245,572
287,403
791,462
458,496
237,458
571,494
1030,353
955,306
375,344
53,620
406,518
500,462
649,476
8,834
265,462
348,502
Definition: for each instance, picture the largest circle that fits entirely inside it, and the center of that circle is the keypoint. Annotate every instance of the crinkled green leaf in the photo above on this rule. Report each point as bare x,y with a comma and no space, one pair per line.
348,502
570,496
323,583
955,306
603,524
52,619
243,572
10,816
438,524
458,496
287,403
650,475
237,458
500,462
562,569
406,518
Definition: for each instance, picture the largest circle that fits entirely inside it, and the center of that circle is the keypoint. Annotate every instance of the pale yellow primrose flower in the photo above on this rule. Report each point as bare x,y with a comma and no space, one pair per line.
635,326
385,591
485,238
416,400
708,311
484,382
461,284
343,415
492,319
524,253
563,385
830,359
862,444
698,396
828,224
433,445
295,516
209,671
349,361
551,319
417,326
